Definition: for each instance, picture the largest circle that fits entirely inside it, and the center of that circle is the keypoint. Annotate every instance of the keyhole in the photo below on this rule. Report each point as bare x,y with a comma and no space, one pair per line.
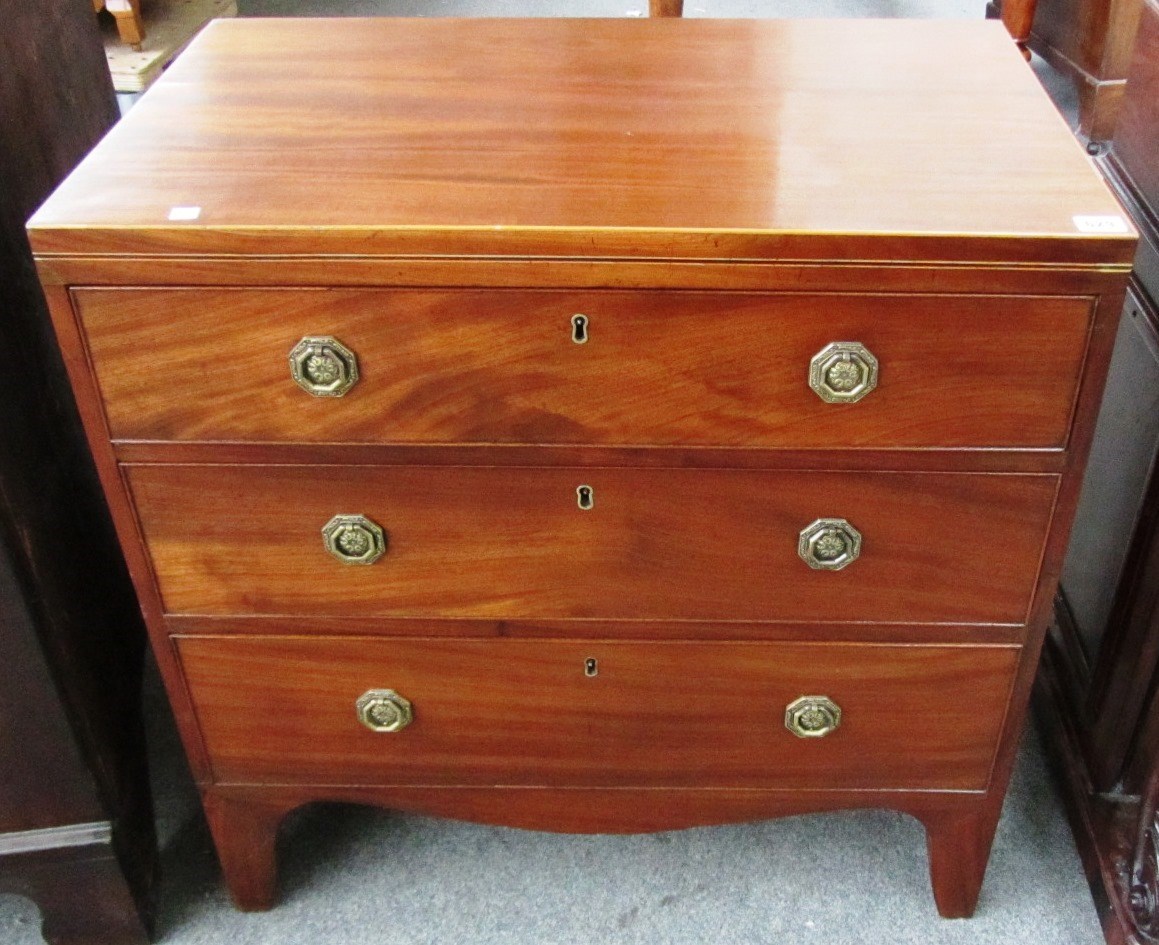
591,666
586,497
579,329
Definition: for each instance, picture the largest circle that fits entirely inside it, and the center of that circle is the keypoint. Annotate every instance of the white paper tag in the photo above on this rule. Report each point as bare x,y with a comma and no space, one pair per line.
1100,224
192,213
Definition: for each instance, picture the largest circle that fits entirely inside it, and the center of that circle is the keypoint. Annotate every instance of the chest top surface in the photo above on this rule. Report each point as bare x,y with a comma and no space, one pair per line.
656,138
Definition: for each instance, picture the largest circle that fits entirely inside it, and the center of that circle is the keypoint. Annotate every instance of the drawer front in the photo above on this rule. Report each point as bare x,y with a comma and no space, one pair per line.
655,544
284,709
654,368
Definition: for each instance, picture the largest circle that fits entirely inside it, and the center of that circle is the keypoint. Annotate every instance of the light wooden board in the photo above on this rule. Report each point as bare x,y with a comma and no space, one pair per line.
169,26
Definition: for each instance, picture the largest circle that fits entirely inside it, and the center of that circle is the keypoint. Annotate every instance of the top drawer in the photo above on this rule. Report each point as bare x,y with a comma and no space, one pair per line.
656,368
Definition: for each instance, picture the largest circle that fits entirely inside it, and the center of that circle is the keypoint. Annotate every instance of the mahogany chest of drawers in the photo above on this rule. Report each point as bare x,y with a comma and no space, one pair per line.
592,425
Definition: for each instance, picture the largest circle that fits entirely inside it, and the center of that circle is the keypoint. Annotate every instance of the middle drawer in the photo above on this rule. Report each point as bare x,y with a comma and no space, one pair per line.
598,543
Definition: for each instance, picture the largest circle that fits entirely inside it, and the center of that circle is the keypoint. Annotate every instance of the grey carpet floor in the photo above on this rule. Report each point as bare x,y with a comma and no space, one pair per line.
353,876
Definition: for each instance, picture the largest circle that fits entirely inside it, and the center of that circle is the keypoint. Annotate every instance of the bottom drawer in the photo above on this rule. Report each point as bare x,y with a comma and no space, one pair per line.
535,712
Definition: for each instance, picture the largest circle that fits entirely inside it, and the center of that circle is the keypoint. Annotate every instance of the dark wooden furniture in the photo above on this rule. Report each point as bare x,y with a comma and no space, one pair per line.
1090,42
1099,676
695,461
76,832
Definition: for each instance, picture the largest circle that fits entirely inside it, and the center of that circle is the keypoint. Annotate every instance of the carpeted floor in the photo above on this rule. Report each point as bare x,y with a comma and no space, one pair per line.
352,876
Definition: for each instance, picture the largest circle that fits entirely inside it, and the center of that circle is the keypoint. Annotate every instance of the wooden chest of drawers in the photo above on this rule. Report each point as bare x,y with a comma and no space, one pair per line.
592,425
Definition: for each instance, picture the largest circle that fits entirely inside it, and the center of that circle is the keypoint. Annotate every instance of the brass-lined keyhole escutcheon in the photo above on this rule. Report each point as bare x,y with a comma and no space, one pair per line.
843,372
384,710
829,544
591,667
585,497
323,366
354,539
812,716
579,329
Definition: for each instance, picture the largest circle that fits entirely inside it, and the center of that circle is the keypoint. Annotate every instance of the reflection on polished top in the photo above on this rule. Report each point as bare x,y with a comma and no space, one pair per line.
666,137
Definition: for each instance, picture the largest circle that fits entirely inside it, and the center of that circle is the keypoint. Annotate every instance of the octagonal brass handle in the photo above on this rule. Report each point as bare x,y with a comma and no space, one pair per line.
829,544
843,372
384,710
323,366
812,716
354,539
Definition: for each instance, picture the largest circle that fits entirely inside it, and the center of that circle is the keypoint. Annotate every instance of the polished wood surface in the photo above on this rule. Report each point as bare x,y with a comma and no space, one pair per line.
455,184
740,139
502,367
657,714
688,544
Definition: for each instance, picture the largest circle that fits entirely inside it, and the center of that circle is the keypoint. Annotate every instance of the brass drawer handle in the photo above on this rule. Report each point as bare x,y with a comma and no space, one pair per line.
843,372
812,716
829,544
354,539
384,710
323,366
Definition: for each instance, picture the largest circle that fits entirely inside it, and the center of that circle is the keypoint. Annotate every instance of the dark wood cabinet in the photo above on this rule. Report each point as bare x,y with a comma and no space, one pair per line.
76,830
1099,685
1091,43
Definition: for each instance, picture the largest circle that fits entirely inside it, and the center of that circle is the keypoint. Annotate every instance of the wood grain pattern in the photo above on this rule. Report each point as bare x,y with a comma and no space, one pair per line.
734,138
690,544
657,368
508,712
739,159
